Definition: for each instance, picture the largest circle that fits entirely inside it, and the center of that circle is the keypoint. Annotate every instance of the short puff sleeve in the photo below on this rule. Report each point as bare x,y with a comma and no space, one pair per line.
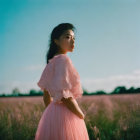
66,80
46,76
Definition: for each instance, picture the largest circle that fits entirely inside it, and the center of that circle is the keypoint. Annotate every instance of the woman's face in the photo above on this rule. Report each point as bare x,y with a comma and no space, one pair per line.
66,41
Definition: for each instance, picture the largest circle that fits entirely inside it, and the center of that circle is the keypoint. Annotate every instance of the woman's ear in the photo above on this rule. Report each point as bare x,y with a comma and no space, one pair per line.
56,41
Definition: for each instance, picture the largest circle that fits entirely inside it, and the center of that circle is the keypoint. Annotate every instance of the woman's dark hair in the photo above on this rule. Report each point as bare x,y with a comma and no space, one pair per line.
56,33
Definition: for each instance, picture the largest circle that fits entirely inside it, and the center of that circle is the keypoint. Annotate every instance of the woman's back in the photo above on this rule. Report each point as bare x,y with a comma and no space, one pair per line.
62,119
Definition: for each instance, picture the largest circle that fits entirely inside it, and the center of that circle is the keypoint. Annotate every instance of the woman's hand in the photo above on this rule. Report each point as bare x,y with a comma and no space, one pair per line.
74,107
81,114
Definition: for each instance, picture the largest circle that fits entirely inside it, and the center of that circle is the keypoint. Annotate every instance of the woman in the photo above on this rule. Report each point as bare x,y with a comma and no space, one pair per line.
62,119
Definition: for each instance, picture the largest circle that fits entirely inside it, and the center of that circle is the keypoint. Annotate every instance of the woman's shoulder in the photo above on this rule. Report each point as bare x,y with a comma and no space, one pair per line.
58,57
62,58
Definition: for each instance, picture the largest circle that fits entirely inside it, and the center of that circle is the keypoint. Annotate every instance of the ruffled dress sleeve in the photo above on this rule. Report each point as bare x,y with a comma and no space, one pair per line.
66,80
43,81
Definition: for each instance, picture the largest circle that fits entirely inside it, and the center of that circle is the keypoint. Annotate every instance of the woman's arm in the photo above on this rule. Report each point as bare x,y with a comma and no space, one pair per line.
73,106
46,98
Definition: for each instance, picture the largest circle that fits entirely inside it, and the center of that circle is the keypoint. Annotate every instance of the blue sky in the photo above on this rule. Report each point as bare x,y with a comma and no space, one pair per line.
107,42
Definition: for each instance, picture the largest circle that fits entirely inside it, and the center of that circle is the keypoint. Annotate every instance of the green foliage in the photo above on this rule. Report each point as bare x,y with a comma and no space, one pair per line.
117,90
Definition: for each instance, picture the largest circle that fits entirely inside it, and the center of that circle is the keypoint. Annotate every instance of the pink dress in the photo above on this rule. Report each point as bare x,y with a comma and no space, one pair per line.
60,79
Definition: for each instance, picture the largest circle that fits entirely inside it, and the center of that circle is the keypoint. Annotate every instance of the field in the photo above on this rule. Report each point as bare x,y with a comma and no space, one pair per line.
108,117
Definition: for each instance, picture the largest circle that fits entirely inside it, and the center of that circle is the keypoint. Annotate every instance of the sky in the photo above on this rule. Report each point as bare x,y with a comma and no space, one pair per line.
107,41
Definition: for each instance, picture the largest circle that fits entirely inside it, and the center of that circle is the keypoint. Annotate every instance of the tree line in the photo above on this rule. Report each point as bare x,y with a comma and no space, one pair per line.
118,90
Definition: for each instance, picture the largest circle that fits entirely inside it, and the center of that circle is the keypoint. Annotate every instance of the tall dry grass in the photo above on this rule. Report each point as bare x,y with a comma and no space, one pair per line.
108,117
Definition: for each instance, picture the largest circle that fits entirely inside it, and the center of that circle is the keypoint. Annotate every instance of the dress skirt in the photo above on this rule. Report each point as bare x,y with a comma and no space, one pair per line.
59,123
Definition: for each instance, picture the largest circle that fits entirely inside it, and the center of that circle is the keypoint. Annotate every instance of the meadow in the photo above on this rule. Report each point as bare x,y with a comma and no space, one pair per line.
108,117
